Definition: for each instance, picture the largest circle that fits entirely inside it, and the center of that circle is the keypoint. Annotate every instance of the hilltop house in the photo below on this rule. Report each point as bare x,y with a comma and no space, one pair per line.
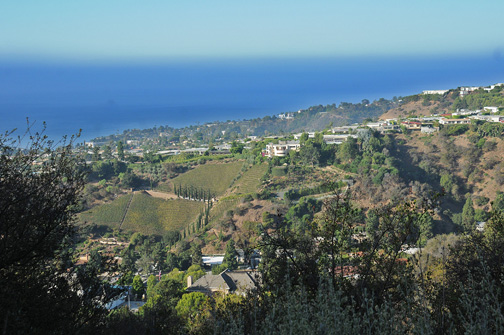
337,139
435,92
412,125
345,129
238,282
281,149
454,121
492,110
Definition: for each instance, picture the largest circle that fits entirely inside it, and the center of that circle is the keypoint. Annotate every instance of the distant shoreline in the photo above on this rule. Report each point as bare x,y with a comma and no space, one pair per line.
108,100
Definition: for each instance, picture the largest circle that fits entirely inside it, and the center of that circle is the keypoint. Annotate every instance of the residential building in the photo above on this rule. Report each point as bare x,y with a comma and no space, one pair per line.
345,129
435,92
337,139
428,130
412,125
238,282
298,136
454,121
491,109
281,149
489,118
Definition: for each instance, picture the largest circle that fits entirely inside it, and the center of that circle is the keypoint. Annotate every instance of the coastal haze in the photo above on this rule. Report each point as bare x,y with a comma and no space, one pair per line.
108,99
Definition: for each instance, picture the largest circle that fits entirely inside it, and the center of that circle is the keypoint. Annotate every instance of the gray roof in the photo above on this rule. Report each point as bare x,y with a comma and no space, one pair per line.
228,281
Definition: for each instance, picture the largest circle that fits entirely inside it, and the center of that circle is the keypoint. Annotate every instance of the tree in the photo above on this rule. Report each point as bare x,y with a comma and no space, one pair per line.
107,152
309,154
237,148
195,308
120,150
96,153
230,256
348,150
468,213
42,290
151,283
138,286
196,255
304,137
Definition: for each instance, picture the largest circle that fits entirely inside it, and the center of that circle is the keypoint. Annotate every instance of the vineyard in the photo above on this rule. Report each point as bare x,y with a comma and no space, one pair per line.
251,179
149,215
109,214
215,177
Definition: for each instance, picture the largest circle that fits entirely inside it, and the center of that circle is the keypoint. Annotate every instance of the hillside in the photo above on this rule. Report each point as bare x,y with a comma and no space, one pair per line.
146,214
215,177
422,105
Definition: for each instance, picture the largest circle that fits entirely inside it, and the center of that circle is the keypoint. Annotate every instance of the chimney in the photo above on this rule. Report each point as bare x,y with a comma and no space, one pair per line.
189,281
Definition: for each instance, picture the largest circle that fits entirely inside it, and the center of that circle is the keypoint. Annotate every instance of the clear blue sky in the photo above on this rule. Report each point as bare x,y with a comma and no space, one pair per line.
167,29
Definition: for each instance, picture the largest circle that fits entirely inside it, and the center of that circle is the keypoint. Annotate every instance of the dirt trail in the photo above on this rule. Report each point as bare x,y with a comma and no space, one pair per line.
162,195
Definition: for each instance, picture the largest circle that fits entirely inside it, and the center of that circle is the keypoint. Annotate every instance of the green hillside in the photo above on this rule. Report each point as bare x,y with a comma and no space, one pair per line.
215,177
109,214
150,215
146,214
251,179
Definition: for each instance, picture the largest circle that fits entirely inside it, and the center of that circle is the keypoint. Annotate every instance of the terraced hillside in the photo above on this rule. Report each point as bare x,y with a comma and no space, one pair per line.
149,215
146,214
215,177
109,214
220,209
251,179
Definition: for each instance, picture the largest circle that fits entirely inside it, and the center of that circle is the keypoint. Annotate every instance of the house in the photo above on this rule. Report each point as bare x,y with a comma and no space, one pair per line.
210,260
492,110
286,116
454,121
374,125
298,136
488,89
412,125
337,139
489,118
428,130
346,129
237,282
435,92
281,149
389,128
465,90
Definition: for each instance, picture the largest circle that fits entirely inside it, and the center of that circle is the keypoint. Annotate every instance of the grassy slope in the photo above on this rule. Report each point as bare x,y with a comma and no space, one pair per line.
109,214
150,215
251,179
213,176
146,214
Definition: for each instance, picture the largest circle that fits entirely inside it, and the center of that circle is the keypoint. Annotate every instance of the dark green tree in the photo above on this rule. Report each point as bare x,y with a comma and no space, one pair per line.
43,290
196,255
138,286
230,256
96,153
120,150
468,222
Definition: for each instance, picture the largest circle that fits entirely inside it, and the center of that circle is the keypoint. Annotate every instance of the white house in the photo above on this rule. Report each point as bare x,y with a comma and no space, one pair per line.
465,90
281,149
454,121
435,92
337,139
345,129
298,136
428,130
489,118
491,109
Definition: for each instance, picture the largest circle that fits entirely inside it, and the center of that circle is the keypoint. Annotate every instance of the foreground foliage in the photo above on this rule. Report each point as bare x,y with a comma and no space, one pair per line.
42,289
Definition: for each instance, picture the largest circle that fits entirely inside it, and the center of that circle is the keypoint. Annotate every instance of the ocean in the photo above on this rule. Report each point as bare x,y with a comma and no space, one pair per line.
103,99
